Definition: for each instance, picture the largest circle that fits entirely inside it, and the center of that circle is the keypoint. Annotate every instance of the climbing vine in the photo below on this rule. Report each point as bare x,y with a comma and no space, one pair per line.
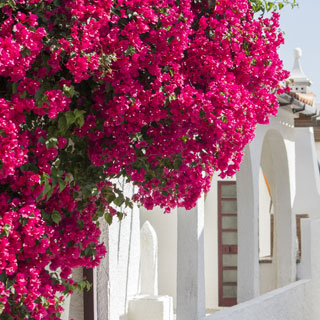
158,93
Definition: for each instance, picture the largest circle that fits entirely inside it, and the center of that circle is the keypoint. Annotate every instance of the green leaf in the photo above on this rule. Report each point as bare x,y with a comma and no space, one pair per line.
270,6
68,91
80,224
130,50
177,163
80,122
46,189
62,124
79,116
119,200
70,118
108,218
23,95
51,143
49,194
56,216
14,87
62,185
42,140
6,230
69,177
110,197
100,212
45,215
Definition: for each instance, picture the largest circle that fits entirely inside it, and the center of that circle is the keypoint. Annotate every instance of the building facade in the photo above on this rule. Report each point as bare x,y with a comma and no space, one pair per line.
248,250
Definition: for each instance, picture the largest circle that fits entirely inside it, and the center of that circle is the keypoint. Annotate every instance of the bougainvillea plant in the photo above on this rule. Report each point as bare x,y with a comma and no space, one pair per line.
161,93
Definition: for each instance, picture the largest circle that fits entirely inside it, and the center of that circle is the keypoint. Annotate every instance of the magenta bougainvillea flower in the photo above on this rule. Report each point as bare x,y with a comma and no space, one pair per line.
160,93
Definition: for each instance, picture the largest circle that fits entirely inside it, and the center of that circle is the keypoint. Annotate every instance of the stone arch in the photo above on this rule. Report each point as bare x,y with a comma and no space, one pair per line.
271,150
275,164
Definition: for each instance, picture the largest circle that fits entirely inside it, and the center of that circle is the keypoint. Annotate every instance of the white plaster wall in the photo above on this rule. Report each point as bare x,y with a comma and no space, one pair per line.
166,229
76,299
122,264
273,148
264,218
165,226
191,302
308,178
211,243
116,279
267,271
317,145
296,301
310,264
268,277
286,303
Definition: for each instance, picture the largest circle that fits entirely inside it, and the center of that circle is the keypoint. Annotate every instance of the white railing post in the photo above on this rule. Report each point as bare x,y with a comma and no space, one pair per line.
148,260
190,263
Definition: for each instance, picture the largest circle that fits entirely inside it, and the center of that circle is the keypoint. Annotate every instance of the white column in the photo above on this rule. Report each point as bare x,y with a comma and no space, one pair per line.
117,276
148,260
101,280
190,263
285,220
248,226
76,299
307,174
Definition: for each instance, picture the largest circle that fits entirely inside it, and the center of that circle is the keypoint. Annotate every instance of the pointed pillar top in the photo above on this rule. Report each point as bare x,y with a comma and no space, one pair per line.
300,80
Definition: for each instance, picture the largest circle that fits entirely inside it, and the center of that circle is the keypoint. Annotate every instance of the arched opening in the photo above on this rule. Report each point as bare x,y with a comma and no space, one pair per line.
279,269
267,154
267,265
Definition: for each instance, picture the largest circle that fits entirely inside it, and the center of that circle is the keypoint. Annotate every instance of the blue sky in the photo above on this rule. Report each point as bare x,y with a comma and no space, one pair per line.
302,26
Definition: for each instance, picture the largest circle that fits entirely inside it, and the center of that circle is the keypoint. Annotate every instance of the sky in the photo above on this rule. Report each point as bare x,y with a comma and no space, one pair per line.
301,26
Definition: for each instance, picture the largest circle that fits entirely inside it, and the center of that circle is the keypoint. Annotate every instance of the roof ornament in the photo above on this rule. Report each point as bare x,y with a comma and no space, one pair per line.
300,80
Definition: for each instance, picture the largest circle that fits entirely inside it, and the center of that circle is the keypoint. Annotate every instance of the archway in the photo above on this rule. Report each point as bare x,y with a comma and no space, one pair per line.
274,164
269,149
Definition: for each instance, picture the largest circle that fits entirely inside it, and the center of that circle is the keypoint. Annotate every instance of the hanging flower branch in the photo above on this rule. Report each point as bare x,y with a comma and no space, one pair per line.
160,93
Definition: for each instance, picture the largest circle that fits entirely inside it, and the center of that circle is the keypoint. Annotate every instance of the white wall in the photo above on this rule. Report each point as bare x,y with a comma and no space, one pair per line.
116,279
268,276
74,304
166,229
211,243
317,144
272,149
165,226
308,179
264,218
285,303
296,301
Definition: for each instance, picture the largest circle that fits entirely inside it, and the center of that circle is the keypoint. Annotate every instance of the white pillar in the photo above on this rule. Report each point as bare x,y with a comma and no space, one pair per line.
310,265
76,309
248,226
148,260
285,220
117,277
278,164
307,174
190,263
101,275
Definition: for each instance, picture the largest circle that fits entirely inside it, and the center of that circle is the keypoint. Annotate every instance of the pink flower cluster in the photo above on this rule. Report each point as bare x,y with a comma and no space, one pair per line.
185,100
19,44
162,93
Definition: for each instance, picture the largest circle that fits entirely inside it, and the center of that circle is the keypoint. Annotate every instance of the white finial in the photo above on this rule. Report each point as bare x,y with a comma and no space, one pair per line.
297,53
148,260
301,82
